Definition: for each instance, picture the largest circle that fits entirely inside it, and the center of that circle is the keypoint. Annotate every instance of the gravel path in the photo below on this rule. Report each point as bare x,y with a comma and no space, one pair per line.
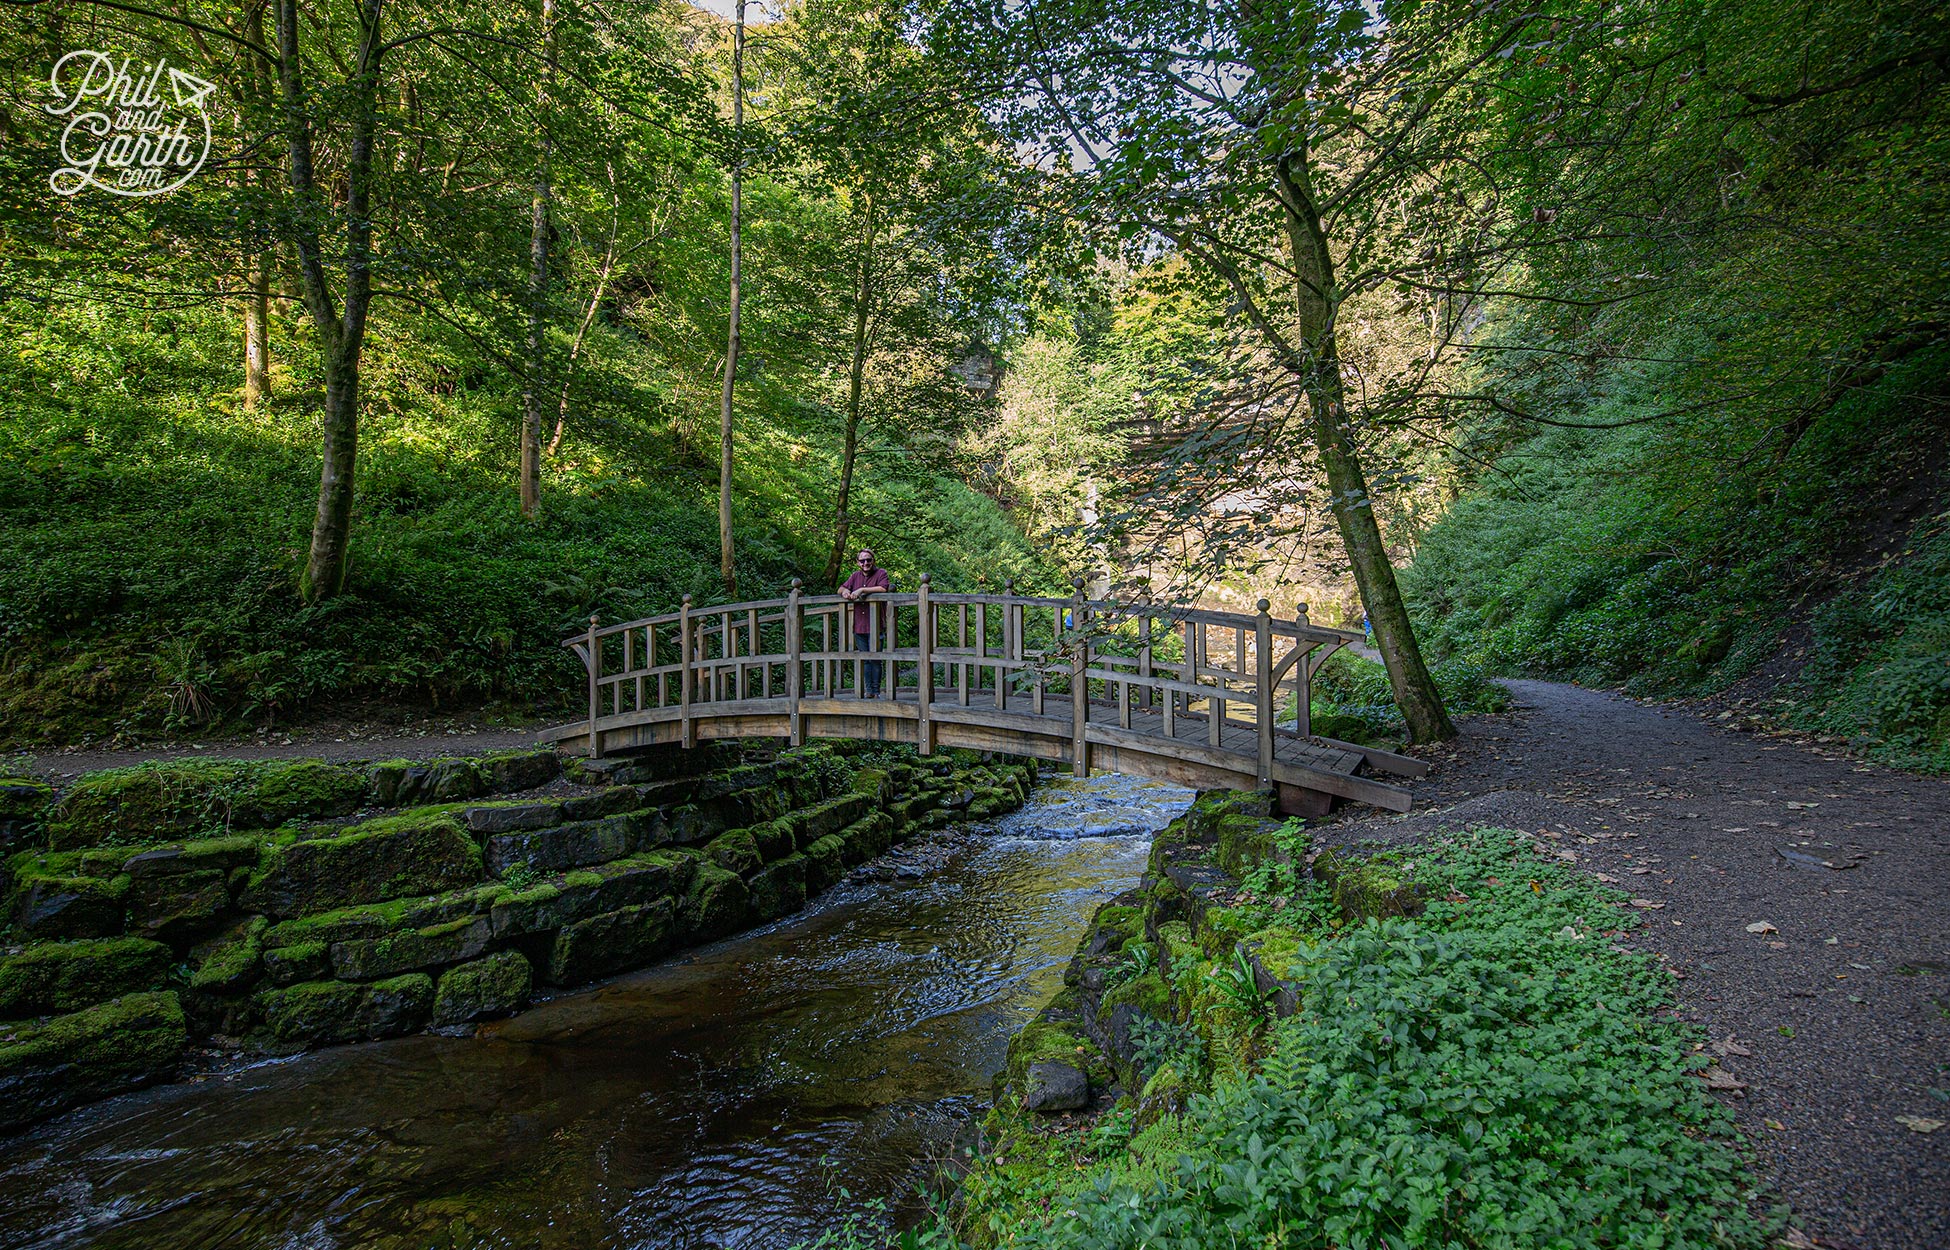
437,739
1841,1011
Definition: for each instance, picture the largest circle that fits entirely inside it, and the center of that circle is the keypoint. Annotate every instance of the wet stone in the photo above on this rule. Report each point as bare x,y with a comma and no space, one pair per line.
507,818
616,941
373,958
1055,1086
482,990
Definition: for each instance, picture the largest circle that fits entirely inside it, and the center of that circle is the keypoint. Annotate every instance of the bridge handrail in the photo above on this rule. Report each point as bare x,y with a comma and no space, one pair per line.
1081,644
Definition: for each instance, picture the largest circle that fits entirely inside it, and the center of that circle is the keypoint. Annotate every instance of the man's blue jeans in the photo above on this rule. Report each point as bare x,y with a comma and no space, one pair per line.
870,670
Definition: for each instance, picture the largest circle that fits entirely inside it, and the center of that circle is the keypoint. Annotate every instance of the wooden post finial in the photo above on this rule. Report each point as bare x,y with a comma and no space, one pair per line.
687,597
1300,610
592,620
925,579
1265,605
796,583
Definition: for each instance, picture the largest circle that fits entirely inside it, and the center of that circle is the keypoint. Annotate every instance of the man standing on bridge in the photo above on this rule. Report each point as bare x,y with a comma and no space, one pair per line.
868,579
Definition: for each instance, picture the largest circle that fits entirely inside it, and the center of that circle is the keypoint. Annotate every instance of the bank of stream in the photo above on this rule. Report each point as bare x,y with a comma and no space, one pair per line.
723,1099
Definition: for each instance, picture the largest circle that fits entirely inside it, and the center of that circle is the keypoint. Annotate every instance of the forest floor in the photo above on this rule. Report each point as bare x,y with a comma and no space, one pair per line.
1798,896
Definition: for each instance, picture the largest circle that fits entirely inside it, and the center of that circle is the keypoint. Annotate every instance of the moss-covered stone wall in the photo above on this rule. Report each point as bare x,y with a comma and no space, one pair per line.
277,906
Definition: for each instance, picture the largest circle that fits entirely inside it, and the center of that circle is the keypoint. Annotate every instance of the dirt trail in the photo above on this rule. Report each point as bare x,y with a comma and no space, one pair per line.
459,738
1844,1008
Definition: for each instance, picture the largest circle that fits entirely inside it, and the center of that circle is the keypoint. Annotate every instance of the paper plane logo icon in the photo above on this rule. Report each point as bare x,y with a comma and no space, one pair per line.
189,90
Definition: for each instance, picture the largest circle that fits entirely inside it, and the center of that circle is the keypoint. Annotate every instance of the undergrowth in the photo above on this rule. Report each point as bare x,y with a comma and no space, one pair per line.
151,531
1672,561
1494,1073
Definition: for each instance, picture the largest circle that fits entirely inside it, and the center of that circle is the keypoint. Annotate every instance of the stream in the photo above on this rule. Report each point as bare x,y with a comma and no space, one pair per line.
741,1096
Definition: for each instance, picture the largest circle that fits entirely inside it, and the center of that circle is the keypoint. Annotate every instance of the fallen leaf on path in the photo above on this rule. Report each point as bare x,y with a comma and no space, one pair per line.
1717,1077
1777,946
1761,926
1792,803
1731,1046
1794,1238
1917,1124
1606,877
1778,1127
1646,904
1640,872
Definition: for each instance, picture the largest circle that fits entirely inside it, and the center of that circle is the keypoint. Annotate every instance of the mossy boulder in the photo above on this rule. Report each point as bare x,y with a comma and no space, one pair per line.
62,977
406,783
179,909
736,851
433,946
54,907
233,962
717,903
779,889
1246,842
482,990
616,941
867,837
320,1013
825,863
123,1044
574,845
301,961
381,859
1043,1040
510,772
562,900
813,823
374,920
1374,887
187,798
775,838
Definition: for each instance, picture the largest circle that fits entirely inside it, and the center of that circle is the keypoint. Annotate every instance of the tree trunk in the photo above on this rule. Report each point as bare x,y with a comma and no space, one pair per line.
257,327
257,294
1317,304
725,566
862,311
532,386
341,333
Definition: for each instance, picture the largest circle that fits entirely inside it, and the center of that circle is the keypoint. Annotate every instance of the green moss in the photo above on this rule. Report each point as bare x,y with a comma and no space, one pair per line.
370,920
736,851
1148,994
66,976
495,986
49,907
407,855
119,1045
326,1012
1120,917
1042,1041
187,798
234,961
1370,888
300,961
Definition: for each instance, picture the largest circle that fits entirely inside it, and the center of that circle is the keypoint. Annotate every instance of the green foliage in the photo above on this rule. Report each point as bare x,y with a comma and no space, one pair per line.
1492,1074
1878,672
1352,694
1639,557
150,534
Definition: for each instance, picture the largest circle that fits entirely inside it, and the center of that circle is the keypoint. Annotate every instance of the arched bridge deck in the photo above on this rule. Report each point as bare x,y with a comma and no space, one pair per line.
1207,699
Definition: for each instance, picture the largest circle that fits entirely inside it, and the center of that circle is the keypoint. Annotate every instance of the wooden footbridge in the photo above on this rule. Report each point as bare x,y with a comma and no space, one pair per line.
1206,699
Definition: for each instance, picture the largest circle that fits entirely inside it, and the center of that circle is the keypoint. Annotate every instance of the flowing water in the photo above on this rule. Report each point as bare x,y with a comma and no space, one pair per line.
721,1100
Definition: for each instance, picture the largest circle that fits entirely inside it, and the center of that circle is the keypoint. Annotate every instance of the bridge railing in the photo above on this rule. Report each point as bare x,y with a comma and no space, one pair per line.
1107,660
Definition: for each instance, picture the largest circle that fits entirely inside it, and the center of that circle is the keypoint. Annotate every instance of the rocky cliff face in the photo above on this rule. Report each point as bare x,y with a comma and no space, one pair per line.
278,906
